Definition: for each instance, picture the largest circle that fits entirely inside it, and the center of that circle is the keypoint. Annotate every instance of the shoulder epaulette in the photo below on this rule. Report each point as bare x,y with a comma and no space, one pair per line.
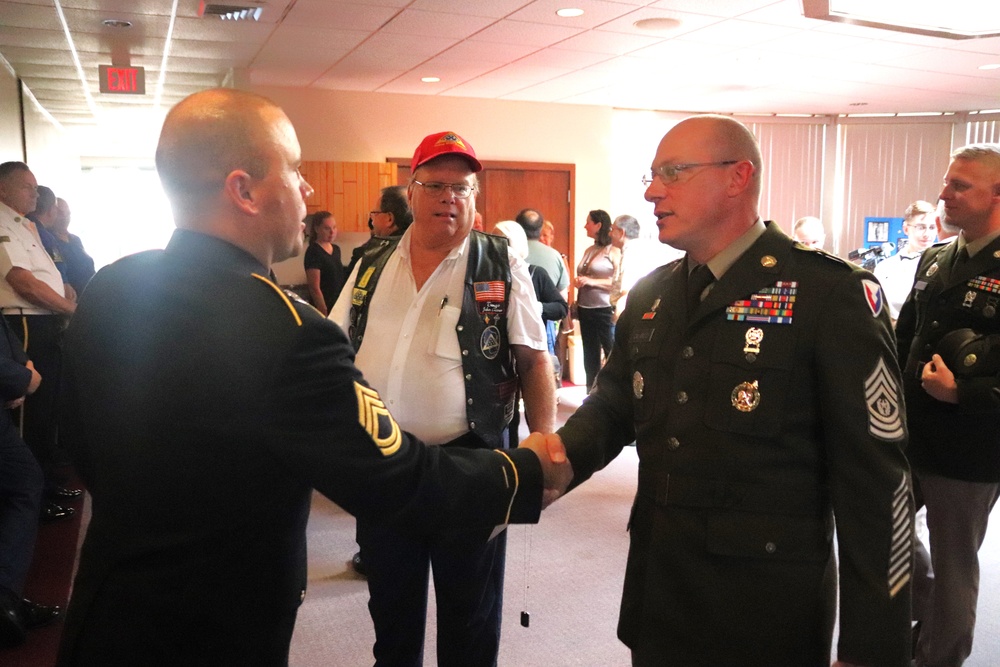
823,253
286,296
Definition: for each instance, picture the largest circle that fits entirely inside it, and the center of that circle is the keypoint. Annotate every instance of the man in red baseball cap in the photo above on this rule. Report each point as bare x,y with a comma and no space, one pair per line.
439,317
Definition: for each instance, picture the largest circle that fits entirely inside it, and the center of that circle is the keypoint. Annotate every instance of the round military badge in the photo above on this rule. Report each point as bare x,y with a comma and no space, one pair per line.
746,397
489,343
767,261
932,269
638,384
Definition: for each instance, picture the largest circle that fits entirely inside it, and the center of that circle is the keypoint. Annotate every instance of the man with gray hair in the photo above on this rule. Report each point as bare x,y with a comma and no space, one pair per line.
548,259
948,330
624,231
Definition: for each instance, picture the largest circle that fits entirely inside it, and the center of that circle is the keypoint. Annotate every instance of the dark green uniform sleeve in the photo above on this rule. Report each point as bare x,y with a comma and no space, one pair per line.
332,429
864,435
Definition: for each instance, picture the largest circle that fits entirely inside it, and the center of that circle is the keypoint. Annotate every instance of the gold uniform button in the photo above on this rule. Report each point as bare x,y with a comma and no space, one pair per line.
770,547
768,261
673,443
687,352
682,397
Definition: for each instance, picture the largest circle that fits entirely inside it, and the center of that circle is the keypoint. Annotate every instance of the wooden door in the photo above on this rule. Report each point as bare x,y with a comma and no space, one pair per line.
505,191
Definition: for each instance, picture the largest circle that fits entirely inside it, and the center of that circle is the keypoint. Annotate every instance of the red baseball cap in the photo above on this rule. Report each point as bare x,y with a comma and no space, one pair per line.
444,143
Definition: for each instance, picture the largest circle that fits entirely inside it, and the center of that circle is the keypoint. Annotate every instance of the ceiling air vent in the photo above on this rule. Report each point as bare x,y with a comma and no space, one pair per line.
229,12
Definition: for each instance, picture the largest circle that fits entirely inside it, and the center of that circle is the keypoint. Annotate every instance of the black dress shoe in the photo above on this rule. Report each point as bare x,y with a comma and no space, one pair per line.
53,512
12,630
359,565
62,493
37,615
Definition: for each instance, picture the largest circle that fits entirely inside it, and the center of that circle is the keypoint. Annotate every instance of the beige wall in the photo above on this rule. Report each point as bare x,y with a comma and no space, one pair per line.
10,115
369,127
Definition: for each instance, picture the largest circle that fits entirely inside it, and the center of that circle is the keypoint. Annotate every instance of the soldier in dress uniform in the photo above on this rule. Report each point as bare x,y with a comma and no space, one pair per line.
203,404
948,329
765,403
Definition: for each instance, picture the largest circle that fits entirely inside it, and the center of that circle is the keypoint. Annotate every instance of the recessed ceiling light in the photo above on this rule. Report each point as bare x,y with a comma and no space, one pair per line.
430,79
658,24
116,23
990,66
569,12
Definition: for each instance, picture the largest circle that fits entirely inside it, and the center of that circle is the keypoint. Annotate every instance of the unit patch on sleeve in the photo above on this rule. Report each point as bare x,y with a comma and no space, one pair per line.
901,549
873,296
882,397
374,418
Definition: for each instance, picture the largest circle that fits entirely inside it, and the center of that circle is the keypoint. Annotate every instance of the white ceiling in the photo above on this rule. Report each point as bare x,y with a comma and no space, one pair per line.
746,56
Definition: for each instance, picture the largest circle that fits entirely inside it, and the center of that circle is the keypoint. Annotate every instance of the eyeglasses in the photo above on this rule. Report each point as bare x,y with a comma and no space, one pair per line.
372,214
460,190
669,173
923,228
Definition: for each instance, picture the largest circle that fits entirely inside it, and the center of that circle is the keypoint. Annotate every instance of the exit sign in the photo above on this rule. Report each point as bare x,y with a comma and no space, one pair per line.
123,80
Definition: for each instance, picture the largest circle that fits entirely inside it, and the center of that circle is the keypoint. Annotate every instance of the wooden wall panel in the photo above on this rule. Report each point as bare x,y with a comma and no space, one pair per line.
347,189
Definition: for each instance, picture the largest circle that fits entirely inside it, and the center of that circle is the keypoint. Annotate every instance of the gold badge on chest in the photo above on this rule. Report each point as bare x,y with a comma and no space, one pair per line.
746,396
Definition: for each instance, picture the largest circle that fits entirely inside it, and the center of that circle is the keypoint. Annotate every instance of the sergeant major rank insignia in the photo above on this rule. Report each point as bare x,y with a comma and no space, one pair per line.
882,397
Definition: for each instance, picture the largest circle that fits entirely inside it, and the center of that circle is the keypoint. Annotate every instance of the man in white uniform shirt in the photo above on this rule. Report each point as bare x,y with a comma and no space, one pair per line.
437,320
896,273
34,301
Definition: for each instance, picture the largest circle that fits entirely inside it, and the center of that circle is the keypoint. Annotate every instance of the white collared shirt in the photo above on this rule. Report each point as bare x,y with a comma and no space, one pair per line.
411,354
21,247
896,274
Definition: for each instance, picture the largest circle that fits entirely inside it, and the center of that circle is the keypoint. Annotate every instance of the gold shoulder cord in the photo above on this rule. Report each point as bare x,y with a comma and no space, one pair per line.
298,320
517,482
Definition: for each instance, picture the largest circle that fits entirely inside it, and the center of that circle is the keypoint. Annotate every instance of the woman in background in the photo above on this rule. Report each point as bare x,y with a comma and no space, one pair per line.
593,293
324,270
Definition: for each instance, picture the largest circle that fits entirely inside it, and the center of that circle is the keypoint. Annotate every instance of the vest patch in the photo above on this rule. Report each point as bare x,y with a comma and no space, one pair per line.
490,342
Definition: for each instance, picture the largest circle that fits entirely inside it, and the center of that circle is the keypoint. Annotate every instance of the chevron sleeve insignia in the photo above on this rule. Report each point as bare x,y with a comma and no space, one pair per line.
374,418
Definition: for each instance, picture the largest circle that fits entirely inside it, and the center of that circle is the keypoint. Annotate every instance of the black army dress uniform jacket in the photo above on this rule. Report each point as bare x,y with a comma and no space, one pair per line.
751,435
202,404
957,441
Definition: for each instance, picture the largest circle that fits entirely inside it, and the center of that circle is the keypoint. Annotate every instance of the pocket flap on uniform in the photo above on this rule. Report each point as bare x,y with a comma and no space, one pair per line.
767,536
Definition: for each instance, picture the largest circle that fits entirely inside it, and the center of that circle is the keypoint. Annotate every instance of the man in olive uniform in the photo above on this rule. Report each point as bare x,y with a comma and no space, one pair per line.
948,328
202,402
764,399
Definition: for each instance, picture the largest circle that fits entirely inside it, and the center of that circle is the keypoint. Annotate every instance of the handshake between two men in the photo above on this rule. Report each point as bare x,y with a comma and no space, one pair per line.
556,467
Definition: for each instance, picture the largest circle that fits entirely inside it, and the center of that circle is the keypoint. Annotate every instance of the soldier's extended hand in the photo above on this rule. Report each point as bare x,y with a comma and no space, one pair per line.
556,468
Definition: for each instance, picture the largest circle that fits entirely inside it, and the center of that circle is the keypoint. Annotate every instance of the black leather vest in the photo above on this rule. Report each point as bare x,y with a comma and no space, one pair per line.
487,363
